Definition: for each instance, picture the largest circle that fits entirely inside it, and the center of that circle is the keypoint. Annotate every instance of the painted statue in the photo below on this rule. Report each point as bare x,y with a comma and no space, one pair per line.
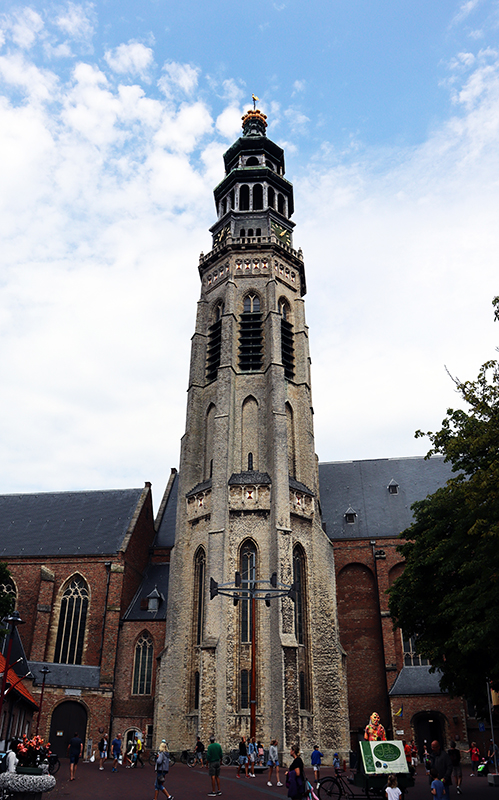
374,731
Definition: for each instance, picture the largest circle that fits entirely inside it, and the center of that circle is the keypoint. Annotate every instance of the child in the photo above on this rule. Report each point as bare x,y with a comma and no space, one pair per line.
392,791
437,787
316,762
336,763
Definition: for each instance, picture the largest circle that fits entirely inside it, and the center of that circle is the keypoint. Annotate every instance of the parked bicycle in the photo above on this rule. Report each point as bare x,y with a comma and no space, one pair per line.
197,759
154,755
54,763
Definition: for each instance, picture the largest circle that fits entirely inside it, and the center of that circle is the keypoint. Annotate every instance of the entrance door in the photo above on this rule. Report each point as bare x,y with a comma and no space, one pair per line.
428,726
68,718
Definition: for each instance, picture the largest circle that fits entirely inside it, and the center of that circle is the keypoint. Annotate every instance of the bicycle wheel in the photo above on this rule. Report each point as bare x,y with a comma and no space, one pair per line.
172,759
227,760
329,787
54,766
191,761
152,759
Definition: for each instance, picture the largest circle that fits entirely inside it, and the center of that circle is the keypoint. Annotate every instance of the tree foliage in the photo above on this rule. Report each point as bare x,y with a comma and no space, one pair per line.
6,600
448,595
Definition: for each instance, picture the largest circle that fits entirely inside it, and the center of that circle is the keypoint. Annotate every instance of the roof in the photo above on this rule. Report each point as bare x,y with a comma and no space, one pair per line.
416,680
74,676
165,536
361,487
65,523
157,577
16,684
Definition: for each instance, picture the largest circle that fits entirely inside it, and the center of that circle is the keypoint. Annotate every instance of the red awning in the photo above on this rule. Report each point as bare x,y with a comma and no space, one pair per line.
15,684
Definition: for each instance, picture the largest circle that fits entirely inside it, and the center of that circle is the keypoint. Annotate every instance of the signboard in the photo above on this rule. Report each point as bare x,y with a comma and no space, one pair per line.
381,758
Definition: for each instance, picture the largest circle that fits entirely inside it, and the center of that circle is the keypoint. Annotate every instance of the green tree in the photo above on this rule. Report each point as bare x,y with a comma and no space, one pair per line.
448,594
6,600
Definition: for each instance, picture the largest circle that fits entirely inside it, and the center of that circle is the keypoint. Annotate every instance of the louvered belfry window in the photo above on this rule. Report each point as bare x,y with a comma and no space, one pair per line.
72,623
250,335
287,343
214,345
142,668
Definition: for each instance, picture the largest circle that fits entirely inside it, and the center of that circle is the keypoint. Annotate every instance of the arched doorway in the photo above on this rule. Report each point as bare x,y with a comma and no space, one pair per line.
68,718
428,726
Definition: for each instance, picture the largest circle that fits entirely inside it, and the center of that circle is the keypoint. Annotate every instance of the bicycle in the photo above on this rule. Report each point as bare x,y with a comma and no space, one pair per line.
154,755
197,758
334,787
54,763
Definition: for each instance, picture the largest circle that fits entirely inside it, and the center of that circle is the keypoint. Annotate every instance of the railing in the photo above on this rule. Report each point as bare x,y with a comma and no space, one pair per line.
250,240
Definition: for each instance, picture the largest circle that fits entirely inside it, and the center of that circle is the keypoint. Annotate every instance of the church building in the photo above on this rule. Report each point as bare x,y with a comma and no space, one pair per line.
255,603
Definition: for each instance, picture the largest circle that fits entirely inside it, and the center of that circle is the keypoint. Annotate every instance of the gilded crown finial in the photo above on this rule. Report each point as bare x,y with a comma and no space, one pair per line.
254,122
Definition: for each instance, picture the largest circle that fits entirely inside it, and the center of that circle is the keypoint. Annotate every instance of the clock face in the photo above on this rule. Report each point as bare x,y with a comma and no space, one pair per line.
220,237
283,235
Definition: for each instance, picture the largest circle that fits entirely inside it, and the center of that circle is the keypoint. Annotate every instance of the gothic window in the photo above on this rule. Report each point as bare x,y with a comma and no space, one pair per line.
287,342
271,197
199,596
196,690
411,656
244,194
72,622
250,334
249,434
303,689
142,665
299,578
209,440
290,427
245,688
8,588
248,576
250,462
257,197
214,344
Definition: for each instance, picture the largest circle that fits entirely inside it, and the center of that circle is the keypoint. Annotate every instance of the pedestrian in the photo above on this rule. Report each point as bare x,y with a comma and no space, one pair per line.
475,758
252,753
440,760
295,776
437,786
214,754
493,756
457,771
11,760
129,753
162,768
243,757
261,754
198,750
336,763
116,751
316,762
75,750
392,791
273,762
138,749
103,751
414,754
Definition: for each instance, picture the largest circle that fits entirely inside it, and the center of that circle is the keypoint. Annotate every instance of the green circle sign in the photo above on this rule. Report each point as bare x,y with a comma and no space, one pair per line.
387,751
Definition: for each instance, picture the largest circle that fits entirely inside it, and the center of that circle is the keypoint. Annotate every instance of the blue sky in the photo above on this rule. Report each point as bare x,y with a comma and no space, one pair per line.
113,121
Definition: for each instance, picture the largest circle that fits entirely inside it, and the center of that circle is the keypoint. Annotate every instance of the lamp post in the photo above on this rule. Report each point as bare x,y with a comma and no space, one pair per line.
13,620
45,671
253,590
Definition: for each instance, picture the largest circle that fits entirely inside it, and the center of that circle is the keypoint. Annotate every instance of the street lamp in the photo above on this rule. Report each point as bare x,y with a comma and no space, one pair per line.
255,590
45,671
13,620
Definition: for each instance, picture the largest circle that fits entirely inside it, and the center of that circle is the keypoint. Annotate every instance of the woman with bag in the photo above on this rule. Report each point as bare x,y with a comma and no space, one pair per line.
162,767
295,776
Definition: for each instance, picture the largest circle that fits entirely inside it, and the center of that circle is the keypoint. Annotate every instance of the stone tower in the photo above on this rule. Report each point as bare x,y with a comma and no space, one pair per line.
249,492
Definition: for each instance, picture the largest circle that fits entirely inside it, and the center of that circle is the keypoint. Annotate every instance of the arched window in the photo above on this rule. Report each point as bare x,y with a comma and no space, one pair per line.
244,198
257,197
280,203
199,596
224,206
72,622
250,462
196,690
290,429
248,576
250,231
271,197
287,342
250,335
252,161
299,578
249,434
242,233
142,665
214,349
209,440
245,688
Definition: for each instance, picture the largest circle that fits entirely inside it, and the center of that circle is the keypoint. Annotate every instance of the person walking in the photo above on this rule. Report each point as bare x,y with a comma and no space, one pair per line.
162,768
440,760
273,761
457,771
214,754
75,751
243,757
199,750
138,749
252,754
316,762
296,780
103,751
116,751
475,758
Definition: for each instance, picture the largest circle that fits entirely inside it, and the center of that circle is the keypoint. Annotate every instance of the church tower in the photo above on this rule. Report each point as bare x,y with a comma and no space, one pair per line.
248,498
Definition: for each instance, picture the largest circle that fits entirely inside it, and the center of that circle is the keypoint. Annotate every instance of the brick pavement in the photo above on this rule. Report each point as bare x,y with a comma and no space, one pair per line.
192,784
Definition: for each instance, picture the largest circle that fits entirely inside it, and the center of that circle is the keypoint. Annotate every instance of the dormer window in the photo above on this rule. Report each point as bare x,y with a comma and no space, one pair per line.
350,516
153,599
393,487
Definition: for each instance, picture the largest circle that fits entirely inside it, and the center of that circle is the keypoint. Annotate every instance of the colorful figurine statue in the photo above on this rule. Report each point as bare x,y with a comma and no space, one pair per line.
374,730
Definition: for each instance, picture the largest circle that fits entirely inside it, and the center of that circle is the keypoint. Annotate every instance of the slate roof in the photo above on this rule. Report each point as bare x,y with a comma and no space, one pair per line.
72,676
65,523
157,575
416,680
362,487
249,478
165,536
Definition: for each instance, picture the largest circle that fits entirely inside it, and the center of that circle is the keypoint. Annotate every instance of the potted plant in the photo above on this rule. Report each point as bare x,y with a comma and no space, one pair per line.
31,778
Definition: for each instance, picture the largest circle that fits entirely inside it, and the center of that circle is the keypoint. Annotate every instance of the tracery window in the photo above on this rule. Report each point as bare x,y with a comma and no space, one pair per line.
411,656
299,578
142,666
199,594
8,588
250,334
72,622
248,576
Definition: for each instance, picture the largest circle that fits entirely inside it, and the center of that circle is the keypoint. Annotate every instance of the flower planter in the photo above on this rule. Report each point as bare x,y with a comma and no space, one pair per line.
26,786
29,770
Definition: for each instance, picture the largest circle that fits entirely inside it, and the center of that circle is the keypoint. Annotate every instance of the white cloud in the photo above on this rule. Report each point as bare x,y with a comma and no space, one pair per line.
299,86
38,84
24,26
133,58
76,21
465,10
228,123
178,76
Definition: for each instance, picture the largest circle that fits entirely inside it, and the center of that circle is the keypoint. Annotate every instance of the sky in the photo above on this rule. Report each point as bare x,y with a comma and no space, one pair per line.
113,120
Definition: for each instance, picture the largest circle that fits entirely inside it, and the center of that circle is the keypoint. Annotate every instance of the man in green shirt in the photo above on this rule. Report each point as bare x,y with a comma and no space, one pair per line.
214,755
